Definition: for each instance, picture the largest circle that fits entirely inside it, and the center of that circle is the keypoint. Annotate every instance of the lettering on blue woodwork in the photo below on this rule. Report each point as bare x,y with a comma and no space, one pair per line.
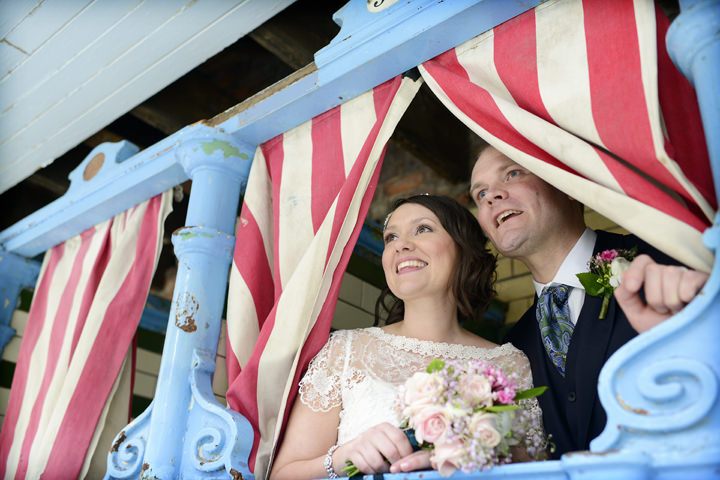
375,6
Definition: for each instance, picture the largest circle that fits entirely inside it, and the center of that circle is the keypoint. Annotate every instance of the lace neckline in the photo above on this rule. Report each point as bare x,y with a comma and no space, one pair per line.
440,349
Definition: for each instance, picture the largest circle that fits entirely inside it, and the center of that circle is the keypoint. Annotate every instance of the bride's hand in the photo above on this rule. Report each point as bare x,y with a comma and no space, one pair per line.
371,451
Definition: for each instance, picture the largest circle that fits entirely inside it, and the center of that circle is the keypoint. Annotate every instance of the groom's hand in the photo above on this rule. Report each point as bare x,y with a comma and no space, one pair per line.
667,290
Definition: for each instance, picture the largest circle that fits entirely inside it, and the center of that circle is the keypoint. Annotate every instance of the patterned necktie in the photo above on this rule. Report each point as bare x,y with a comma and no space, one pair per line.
553,316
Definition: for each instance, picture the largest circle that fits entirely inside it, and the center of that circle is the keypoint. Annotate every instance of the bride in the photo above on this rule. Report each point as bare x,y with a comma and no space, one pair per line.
438,266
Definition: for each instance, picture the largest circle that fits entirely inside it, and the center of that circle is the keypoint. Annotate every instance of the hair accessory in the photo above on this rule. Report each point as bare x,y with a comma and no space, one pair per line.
387,219
327,463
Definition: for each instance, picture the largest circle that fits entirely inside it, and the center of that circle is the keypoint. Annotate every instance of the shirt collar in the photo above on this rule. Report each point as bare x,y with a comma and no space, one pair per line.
575,262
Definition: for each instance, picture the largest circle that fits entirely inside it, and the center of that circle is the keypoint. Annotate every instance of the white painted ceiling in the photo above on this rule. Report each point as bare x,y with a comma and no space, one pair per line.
70,67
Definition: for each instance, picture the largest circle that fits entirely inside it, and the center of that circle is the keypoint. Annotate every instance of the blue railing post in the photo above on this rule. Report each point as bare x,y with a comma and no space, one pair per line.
16,273
185,433
693,42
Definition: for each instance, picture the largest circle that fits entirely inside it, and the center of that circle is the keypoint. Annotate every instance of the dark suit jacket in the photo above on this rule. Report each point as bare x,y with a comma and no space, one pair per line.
572,412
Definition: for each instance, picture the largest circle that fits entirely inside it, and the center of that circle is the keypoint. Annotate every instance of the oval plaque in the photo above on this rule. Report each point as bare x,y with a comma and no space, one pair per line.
375,6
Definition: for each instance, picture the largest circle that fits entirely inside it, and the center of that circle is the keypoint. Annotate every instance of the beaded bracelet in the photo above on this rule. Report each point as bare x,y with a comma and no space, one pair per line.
328,463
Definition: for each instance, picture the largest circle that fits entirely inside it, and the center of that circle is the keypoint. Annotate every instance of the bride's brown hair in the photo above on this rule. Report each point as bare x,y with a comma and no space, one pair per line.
474,277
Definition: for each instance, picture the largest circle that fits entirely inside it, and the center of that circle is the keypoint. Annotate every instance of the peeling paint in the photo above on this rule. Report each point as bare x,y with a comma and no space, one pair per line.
225,147
118,442
186,307
163,151
627,407
236,475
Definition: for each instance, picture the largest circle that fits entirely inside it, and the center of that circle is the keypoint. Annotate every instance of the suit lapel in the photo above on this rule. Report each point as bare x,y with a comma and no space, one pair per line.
594,335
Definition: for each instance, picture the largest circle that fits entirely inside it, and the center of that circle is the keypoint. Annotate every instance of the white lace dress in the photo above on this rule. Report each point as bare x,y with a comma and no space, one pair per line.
360,370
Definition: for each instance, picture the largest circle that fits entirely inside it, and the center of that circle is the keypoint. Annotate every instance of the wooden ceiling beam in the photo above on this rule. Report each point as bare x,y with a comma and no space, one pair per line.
428,130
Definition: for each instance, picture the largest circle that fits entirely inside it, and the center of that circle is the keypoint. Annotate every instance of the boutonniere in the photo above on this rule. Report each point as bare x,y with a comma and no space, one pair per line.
606,268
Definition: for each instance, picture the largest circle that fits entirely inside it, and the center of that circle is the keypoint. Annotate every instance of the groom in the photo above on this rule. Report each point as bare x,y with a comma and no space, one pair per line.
527,219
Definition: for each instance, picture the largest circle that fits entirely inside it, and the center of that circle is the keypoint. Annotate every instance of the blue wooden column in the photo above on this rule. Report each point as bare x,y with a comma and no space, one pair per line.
693,42
186,433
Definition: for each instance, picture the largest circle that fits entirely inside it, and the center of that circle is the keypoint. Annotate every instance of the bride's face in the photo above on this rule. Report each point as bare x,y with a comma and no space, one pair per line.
420,256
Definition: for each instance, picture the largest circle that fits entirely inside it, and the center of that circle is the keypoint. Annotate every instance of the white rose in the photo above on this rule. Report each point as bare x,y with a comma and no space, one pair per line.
617,268
483,427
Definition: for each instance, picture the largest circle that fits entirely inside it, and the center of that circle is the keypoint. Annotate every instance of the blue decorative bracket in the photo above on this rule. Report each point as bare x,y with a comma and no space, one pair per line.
185,433
660,391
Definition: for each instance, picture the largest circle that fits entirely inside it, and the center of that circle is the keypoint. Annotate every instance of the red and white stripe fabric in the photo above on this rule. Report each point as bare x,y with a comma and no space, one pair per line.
86,307
583,94
308,193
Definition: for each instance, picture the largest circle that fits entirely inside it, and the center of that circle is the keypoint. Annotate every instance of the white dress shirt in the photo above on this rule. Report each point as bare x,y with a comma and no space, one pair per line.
576,262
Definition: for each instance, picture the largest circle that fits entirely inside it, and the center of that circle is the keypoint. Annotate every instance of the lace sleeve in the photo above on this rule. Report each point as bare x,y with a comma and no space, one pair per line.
320,388
535,439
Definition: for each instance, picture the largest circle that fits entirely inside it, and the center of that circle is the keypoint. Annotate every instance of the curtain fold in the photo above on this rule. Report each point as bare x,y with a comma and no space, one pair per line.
308,194
583,94
88,300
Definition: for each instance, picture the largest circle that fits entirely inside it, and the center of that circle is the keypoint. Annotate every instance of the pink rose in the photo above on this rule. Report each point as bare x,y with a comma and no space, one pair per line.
430,424
420,390
476,390
483,427
446,456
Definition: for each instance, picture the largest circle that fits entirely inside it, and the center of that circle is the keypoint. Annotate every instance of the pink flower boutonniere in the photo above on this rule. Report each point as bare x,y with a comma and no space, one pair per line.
606,269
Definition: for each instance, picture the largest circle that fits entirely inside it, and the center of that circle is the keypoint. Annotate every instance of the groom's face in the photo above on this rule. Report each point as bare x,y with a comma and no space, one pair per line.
520,213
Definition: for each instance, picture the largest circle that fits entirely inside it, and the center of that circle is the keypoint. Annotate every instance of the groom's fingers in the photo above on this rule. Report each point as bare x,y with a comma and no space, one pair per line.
667,290
634,277
691,283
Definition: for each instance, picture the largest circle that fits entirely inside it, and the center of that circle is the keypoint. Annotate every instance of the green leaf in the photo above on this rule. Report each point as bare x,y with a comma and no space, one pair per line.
592,284
533,392
435,366
500,408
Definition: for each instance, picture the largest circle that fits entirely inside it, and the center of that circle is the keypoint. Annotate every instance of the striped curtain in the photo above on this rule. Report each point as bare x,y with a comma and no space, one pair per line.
86,307
307,197
584,95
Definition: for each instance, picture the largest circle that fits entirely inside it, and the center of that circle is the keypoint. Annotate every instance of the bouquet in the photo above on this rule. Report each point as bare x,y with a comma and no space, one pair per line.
466,415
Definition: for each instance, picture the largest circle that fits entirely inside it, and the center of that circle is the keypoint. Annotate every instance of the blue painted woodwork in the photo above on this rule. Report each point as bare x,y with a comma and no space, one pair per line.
125,179
405,34
185,432
660,390
17,273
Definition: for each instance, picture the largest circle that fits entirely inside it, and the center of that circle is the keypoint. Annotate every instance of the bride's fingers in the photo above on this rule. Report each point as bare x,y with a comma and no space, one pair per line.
392,442
419,460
